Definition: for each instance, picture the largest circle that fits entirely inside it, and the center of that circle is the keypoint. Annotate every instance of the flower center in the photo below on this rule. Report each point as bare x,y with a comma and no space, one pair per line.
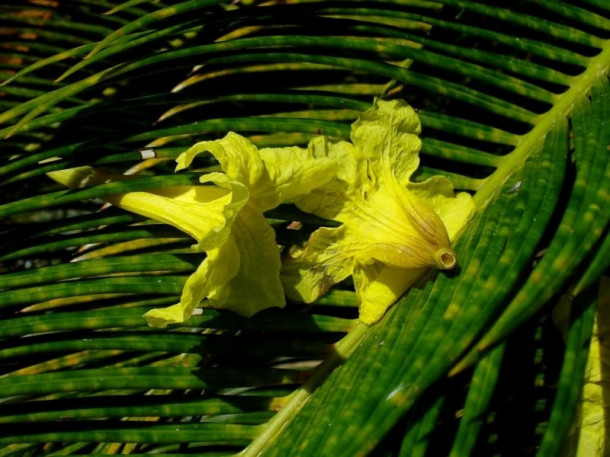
445,259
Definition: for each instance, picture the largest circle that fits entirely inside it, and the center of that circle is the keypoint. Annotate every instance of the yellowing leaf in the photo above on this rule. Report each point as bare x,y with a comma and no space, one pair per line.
392,230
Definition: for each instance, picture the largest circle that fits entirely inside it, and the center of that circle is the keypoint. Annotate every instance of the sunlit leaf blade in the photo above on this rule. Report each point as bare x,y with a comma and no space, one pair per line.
572,241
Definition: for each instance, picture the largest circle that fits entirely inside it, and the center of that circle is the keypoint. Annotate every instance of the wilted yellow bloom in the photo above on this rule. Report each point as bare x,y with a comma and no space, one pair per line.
241,270
392,230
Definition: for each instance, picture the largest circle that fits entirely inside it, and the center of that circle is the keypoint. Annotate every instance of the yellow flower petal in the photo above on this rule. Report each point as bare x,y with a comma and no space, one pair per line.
241,162
395,227
455,210
256,285
203,212
257,181
295,171
392,229
378,286
272,175
308,273
350,181
218,268
388,136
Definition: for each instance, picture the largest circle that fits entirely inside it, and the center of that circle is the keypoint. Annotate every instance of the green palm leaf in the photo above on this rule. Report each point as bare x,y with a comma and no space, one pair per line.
513,103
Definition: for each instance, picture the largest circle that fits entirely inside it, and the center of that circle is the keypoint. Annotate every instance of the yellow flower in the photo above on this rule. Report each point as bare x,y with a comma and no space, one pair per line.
241,269
393,229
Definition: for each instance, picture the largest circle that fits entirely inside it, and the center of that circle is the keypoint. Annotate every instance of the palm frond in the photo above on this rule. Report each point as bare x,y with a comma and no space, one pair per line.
513,103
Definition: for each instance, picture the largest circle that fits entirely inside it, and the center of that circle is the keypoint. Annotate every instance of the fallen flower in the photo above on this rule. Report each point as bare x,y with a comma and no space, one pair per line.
393,229
241,269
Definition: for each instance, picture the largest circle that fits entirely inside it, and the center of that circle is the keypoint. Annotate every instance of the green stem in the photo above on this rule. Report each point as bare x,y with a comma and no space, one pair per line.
598,68
298,398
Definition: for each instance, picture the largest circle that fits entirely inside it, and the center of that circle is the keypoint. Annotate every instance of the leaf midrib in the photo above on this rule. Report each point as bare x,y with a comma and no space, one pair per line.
597,69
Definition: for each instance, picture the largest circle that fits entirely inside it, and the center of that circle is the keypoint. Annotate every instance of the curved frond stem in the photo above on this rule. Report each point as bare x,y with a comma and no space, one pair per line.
343,349
596,71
